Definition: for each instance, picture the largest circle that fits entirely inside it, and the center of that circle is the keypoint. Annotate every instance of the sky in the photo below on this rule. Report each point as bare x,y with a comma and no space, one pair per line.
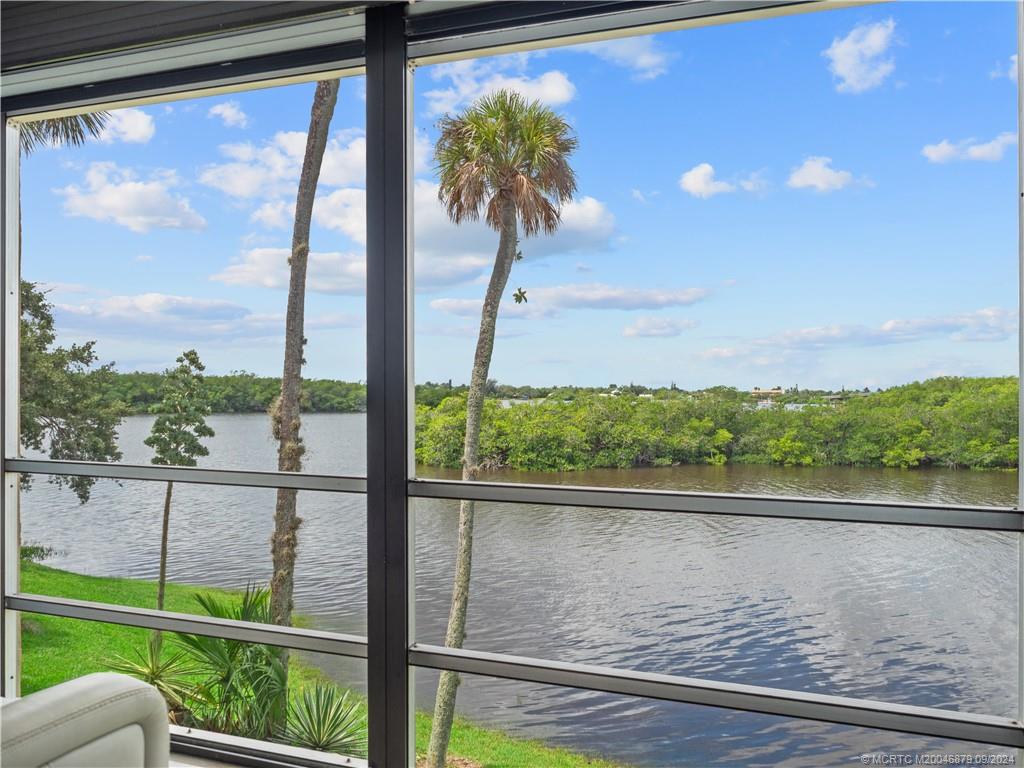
818,200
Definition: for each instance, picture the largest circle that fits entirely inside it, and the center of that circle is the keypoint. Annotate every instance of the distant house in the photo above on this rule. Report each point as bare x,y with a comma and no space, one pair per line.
760,394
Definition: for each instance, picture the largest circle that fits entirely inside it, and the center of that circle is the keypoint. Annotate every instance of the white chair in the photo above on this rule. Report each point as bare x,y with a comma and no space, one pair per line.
97,721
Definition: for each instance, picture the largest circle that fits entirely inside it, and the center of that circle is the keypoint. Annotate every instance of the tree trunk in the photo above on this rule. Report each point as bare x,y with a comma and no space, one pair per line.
448,684
285,413
162,578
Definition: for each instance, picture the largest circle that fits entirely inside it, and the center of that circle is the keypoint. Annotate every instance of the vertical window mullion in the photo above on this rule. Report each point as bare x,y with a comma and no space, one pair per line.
9,300
1020,364
388,290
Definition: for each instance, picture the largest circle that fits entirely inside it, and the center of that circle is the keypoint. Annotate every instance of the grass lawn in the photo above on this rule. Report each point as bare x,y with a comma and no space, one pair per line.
55,649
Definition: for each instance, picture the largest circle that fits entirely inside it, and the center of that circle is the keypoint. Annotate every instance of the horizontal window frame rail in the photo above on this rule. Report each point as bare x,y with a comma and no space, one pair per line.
461,31
862,713
781,507
295,638
258,71
223,750
208,749
196,475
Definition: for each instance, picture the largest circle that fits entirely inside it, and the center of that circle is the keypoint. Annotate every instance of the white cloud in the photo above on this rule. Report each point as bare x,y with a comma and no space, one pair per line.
601,296
858,60
643,56
639,196
277,214
471,308
271,170
422,152
700,182
658,327
989,324
335,273
116,194
131,125
344,159
181,318
143,257
1007,70
816,173
343,210
754,182
447,254
942,152
548,301
969,149
230,113
468,331
58,288
992,150
473,78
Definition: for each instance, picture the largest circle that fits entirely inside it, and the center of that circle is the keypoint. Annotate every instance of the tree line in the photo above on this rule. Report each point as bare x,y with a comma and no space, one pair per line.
944,422
239,392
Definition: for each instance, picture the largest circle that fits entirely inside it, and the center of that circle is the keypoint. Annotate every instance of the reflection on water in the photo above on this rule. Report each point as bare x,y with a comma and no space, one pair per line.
912,615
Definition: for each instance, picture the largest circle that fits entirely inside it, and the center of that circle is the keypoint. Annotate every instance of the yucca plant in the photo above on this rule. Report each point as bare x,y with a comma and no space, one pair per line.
327,719
169,674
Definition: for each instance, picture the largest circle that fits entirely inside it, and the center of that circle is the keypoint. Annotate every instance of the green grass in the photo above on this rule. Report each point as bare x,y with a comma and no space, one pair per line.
495,749
55,649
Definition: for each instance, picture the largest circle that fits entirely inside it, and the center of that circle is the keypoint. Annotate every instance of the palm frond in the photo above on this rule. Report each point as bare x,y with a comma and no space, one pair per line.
503,148
73,130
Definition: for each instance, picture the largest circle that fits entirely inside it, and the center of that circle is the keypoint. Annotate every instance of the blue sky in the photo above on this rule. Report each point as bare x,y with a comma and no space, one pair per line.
824,200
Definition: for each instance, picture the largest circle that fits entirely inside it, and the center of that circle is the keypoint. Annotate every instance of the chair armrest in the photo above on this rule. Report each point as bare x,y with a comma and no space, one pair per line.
45,725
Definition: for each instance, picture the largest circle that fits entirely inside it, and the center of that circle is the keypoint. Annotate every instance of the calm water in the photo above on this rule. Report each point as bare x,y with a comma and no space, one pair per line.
916,616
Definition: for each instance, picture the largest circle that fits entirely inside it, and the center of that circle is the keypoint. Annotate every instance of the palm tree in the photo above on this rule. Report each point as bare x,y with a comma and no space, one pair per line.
507,160
285,419
73,130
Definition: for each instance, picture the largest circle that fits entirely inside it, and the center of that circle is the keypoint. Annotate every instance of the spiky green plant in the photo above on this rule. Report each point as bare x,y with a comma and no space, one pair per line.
325,718
169,673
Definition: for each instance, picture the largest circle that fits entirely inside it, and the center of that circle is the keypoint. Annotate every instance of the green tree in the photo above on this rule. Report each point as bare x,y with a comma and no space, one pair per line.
63,410
507,160
176,435
66,408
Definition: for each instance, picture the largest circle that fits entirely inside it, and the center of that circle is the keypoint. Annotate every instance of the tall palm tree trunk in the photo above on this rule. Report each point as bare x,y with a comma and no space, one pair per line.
448,684
162,578
285,415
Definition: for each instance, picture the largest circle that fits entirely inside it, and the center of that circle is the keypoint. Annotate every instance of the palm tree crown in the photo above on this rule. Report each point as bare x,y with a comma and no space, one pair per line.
72,130
503,148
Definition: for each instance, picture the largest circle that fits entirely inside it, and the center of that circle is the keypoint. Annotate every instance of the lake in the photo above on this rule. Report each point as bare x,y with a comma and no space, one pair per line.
910,615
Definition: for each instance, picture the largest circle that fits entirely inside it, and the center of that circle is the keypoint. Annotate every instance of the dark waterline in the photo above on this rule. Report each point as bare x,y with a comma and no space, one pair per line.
916,616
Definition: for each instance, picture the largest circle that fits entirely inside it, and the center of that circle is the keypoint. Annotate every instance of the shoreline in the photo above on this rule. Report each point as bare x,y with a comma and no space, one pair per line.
56,649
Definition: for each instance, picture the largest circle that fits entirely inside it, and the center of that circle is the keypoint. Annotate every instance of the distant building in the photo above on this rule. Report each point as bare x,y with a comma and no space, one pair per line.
761,394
